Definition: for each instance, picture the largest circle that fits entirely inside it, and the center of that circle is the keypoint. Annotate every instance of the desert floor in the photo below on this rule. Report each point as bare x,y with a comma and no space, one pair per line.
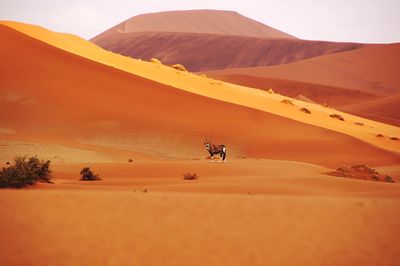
244,212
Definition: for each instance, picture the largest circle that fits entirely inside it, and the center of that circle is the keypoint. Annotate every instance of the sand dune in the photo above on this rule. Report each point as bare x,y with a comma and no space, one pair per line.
333,96
63,96
384,109
197,21
201,52
103,106
372,69
122,115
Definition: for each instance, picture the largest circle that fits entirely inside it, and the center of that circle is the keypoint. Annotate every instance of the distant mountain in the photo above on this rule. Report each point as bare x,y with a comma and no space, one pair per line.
196,21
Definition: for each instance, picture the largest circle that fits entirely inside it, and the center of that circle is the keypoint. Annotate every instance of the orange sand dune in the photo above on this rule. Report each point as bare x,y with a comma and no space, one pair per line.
384,109
64,97
197,21
81,101
243,96
373,69
334,96
201,52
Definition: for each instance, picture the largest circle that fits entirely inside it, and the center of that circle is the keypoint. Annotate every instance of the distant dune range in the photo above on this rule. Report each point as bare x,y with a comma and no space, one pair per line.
372,69
233,48
363,75
202,52
209,40
53,95
318,93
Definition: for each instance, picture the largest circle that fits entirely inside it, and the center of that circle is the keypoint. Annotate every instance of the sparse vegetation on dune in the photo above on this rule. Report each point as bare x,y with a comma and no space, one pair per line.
305,110
339,117
88,175
287,101
24,172
189,176
361,171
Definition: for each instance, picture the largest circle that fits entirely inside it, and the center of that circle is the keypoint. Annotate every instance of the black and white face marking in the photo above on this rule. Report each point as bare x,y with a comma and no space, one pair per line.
207,145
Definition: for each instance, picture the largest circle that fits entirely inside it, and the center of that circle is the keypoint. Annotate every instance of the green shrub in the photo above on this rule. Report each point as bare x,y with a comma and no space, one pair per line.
88,175
25,171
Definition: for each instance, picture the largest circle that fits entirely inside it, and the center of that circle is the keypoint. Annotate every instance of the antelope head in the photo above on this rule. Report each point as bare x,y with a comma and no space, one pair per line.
207,143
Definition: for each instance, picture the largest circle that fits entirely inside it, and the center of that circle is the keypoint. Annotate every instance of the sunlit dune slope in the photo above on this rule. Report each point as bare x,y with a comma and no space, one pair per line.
77,98
333,96
201,52
373,69
197,21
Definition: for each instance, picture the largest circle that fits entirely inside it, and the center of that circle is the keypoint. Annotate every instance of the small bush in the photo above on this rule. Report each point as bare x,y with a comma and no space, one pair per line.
389,179
88,175
270,91
305,110
189,176
25,171
287,101
359,124
130,161
337,117
380,136
394,138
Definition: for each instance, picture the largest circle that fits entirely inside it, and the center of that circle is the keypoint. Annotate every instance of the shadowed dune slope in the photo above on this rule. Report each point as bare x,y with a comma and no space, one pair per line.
384,109
47,93
201,52
331,95
373,69
197,21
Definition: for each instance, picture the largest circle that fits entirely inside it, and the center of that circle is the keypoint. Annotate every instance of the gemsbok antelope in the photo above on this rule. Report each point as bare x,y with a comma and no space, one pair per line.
215,149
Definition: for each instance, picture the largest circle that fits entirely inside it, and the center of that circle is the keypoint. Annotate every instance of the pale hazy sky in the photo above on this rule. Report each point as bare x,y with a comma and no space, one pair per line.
374,21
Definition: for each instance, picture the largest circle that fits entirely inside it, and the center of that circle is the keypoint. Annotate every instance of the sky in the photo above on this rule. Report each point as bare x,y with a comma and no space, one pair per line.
367,21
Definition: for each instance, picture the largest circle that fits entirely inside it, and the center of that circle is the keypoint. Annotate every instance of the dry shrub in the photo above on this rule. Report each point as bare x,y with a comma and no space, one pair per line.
270,91
287,101
380,136
189,176
305,110
88,175
394,138
25,171
361,171
359,124
180,67
130,161
339,117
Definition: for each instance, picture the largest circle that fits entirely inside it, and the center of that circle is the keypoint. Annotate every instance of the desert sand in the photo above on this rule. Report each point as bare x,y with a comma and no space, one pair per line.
65,99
